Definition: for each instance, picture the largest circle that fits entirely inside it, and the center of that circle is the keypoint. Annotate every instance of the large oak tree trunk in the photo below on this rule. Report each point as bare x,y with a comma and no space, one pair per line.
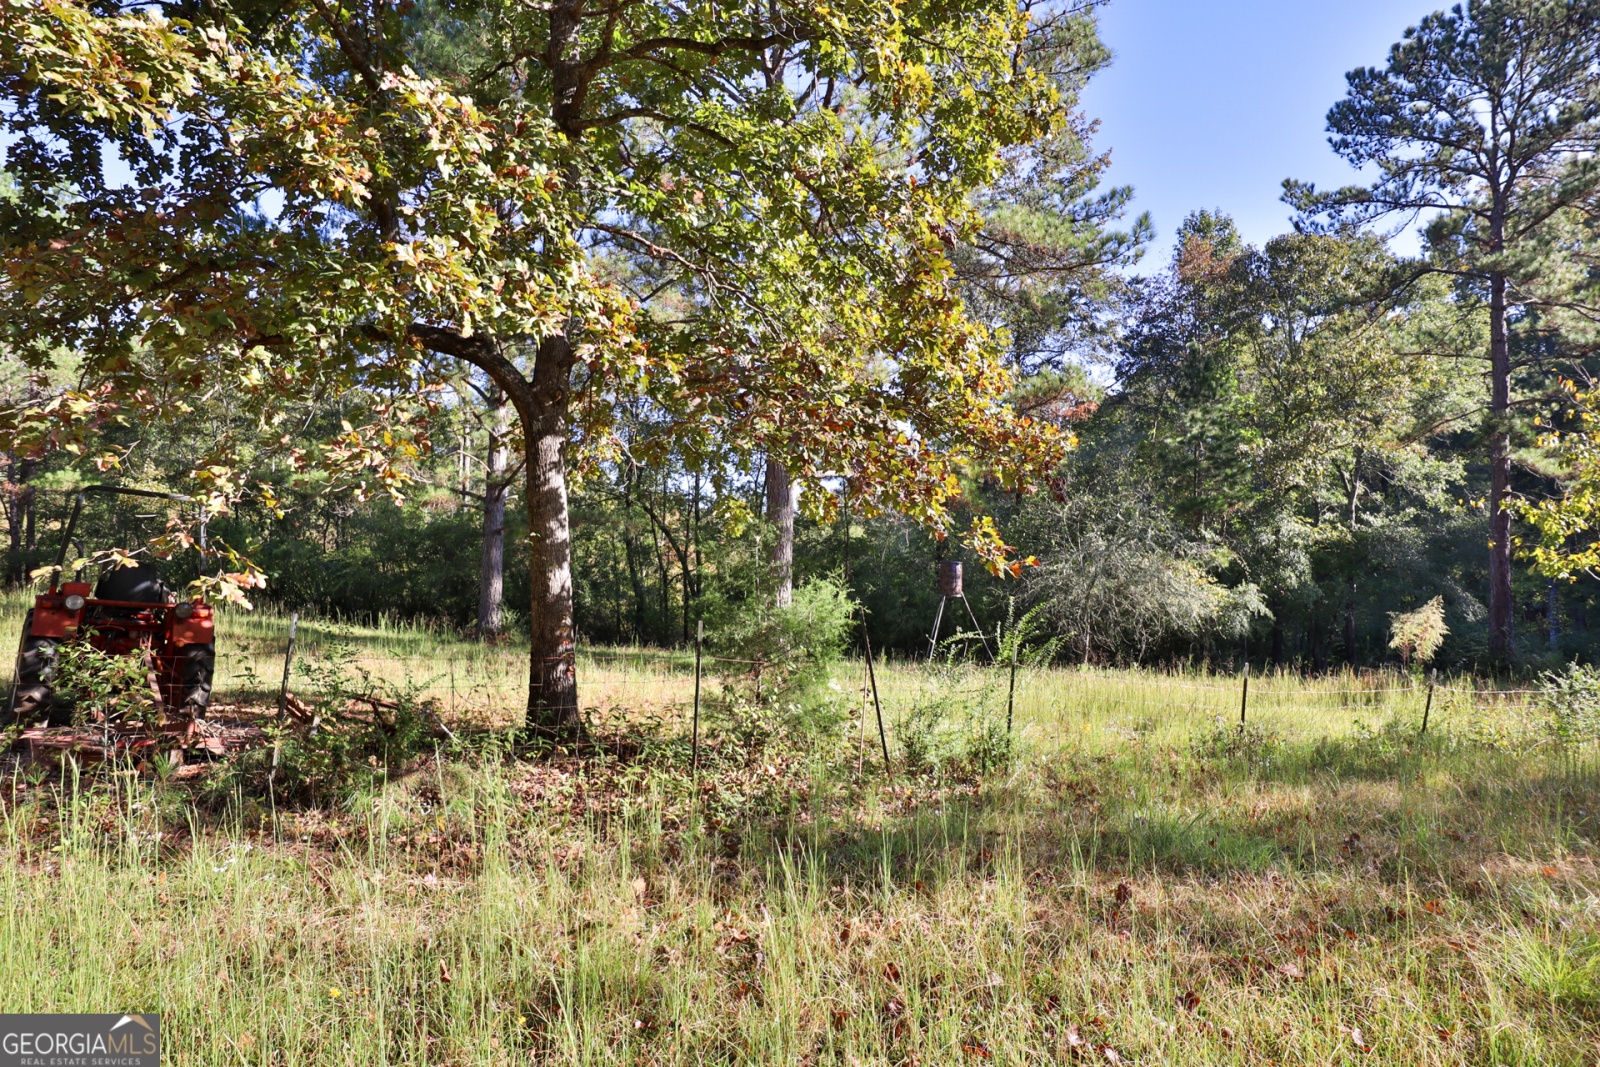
780,513
553,679
1501,609
492,564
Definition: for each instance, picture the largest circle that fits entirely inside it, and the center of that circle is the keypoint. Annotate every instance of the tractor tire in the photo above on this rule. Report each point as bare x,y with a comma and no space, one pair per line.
33,696
198,664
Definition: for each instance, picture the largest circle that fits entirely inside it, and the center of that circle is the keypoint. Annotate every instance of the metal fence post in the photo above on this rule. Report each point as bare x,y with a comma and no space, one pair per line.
1427,709
1011,692
283,693
699,638
1244,696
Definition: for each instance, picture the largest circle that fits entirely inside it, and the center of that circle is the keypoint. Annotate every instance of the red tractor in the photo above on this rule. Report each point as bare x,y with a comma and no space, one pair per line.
130,612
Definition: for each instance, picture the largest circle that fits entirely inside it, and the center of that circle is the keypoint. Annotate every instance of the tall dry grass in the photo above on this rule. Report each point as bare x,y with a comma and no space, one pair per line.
1137,885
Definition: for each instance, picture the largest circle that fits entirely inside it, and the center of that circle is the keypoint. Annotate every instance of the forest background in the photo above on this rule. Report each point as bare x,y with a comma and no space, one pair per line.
1278,448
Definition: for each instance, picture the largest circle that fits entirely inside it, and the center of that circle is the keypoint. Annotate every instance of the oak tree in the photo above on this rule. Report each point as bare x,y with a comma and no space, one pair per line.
739,211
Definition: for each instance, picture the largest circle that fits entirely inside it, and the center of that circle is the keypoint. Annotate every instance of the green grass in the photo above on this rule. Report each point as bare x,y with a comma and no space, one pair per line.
1138,880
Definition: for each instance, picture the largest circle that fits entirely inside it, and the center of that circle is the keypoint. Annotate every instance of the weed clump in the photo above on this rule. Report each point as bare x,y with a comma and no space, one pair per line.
1571,701
956,730
351,732
1236,742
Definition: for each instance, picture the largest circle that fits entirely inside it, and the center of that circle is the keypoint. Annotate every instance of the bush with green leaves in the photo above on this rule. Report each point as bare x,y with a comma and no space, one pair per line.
777,653
956,725
365,729
103,687
1572,700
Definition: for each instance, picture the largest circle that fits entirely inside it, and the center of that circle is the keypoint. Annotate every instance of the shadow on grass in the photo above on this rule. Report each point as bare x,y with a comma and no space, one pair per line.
1396,813
1431,812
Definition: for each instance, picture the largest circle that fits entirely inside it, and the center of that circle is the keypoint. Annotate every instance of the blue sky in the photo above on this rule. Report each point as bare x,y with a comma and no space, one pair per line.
1212,103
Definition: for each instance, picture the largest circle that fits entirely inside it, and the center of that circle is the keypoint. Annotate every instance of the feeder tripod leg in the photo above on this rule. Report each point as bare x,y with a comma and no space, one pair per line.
933,638
981,635
877,705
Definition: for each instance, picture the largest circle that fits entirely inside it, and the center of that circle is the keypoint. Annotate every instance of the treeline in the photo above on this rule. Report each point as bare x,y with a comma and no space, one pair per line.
1276,449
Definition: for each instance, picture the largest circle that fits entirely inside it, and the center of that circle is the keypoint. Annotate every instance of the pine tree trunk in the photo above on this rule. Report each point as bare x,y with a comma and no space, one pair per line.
1501,609
553,680
492,569
780,513
1353,502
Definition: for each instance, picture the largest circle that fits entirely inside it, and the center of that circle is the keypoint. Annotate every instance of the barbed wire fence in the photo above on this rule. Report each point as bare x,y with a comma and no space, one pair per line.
1091,692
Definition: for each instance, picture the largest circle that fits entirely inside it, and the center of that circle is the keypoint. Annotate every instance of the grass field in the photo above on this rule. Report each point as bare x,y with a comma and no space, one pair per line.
1136,883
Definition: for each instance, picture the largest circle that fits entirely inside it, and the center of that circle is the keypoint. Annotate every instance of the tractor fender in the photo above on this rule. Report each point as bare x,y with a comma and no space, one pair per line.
50,618
197,629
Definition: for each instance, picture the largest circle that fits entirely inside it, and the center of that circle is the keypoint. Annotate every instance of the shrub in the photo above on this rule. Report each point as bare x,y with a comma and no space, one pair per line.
956,729
1245,742
1417,635
782,653
1572,700
365,730
101,686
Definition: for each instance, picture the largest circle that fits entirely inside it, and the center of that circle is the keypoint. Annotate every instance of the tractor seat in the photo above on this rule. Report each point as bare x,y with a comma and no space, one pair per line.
140,584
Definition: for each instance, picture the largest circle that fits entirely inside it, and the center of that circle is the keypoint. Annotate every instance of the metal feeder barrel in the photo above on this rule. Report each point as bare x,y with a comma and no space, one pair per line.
949,578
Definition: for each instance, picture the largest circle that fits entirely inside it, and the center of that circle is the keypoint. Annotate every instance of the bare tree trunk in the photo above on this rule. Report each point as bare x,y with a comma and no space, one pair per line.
780,513
14,517
688,580
635,582
1353,495
492,568
19,514
1501,608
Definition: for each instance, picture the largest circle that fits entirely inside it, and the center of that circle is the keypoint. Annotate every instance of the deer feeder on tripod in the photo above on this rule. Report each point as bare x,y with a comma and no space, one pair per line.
950,588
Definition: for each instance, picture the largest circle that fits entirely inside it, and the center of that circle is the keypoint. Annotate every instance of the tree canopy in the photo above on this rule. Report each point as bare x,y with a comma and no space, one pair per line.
740,212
